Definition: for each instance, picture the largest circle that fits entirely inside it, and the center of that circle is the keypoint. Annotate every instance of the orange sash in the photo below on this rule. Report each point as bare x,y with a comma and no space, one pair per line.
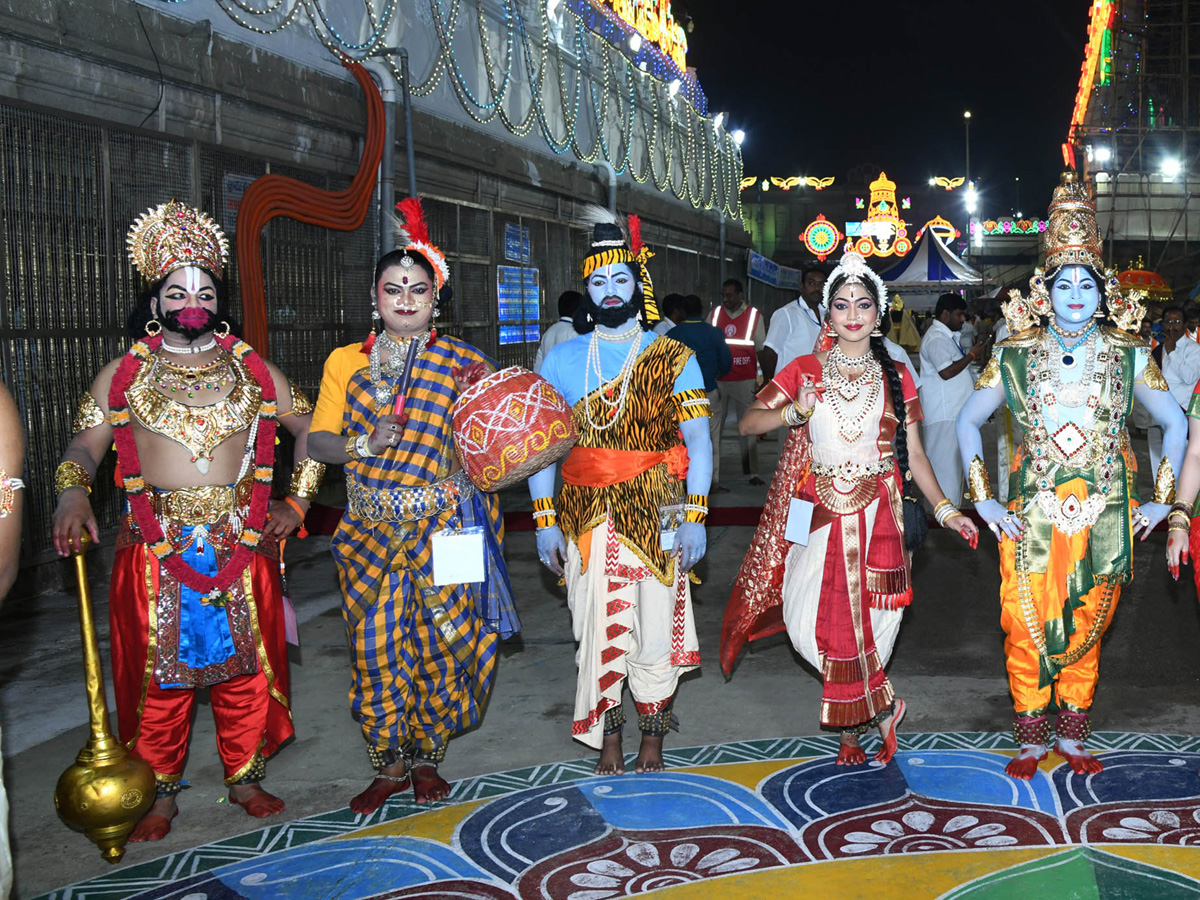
599,467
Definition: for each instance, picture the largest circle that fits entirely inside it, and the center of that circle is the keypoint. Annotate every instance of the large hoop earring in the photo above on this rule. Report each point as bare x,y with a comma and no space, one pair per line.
222,331
157,328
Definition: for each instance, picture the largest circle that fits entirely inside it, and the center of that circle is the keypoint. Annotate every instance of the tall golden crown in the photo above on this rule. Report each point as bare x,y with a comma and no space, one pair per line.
173,235
1072,236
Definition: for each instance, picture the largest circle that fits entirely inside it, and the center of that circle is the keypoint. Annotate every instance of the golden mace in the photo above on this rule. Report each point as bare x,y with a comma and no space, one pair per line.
106,791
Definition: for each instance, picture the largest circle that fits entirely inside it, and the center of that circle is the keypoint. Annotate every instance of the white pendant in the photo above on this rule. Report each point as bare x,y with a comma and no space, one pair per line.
202,464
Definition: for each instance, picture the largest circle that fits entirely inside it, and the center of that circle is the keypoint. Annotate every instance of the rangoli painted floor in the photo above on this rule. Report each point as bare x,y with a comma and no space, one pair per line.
757,819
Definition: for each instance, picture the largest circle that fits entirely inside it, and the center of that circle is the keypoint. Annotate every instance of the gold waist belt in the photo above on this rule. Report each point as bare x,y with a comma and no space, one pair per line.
408,504
201,505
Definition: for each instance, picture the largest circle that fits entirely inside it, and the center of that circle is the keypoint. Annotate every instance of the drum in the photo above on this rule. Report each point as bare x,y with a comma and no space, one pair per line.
510,425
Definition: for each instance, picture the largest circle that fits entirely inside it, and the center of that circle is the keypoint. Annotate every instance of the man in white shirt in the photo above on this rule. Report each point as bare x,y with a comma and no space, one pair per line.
1178,356
562,330
946,383
795,327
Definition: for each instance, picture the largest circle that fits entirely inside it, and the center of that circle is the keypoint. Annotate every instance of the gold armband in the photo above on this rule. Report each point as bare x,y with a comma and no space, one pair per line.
544,515
88,414
306,478
1164,483
696,508
978,482
301,405
71,474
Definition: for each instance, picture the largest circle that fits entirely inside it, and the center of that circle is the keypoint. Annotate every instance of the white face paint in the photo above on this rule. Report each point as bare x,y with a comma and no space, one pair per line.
191,279
1075,296
612,286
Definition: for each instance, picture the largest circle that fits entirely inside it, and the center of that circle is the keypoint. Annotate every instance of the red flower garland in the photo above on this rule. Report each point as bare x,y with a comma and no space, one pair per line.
135,485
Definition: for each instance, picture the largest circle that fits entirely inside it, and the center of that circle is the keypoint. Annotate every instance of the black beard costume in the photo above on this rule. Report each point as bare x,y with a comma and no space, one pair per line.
171,323
612,316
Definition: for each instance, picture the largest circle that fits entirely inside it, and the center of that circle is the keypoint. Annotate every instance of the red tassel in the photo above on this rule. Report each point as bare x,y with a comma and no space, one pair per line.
414,220
368,343
635,234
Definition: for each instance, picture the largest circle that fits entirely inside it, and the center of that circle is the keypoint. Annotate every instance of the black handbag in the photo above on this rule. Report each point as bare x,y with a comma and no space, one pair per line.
916,525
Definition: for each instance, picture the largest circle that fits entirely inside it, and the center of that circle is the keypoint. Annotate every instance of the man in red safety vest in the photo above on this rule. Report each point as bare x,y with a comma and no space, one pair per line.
744,332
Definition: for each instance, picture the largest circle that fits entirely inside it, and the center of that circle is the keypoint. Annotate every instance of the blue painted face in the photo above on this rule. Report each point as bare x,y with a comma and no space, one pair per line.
612,286
1075,296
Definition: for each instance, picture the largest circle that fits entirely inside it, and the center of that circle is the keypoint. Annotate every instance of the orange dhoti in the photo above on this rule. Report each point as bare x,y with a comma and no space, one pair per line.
1067,675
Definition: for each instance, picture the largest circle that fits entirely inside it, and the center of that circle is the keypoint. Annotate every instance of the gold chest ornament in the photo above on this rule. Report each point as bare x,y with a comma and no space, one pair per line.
201,429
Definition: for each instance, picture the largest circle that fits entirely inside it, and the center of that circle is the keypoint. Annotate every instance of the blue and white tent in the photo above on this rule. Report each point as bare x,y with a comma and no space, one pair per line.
930,269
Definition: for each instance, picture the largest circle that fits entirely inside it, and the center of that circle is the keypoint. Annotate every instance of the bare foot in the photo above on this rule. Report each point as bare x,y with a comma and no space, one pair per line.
1026,762
612,758
1080,761
428,785
887,731
649,758
255,801
381,788
156,823
849,753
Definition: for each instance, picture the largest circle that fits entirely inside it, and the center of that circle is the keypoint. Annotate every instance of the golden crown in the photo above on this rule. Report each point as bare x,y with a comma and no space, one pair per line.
1072,236
173,235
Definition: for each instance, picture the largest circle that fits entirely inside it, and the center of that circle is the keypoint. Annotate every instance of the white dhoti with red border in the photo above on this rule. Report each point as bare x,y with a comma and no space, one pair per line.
629,626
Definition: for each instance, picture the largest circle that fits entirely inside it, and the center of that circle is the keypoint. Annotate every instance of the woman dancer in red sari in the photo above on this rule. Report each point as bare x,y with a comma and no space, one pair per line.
843,591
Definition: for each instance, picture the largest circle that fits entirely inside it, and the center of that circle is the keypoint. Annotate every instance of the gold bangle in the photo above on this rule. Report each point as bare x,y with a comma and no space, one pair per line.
978,483
306,478
794,416
357,447
70,474
1180,529
1164,483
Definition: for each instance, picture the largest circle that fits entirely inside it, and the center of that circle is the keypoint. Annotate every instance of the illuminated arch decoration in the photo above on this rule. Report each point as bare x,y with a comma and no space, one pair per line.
884,233
1094,64
1003,227
786,183
821,237
818,183
941,229
949,184
749,181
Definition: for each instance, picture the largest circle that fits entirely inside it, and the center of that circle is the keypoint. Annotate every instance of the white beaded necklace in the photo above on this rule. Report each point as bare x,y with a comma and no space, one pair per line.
624,376
203,348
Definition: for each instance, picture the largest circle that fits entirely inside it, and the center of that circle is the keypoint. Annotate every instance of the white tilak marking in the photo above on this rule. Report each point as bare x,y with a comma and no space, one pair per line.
191,277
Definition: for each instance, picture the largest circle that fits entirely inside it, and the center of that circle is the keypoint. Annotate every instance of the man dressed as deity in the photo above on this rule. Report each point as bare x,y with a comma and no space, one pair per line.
622,528
195,595
1069,374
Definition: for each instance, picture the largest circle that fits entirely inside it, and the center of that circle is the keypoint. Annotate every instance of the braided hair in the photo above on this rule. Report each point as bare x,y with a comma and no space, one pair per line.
891,373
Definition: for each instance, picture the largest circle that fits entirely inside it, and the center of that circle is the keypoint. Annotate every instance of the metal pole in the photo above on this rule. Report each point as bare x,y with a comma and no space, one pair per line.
387,163
410,157
967,185
721,243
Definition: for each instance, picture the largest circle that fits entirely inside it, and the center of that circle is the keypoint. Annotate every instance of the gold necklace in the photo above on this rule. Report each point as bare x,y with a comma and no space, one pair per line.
844,399
174,378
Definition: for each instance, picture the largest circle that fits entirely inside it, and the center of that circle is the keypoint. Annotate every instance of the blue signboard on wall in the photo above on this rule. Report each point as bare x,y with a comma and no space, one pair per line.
519,304
516,243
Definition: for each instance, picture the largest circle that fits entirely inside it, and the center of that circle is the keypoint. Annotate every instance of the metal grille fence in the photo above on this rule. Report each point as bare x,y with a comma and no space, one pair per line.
70,191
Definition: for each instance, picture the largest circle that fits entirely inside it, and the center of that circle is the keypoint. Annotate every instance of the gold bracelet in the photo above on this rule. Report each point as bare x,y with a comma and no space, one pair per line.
70,474
357,447
1180,529
1164,483
945,510
793,416
979,485
306,478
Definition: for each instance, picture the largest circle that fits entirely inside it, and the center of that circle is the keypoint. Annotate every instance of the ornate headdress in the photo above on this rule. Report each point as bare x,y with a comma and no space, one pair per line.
610,246
855,270
413,235
1072,238
173,235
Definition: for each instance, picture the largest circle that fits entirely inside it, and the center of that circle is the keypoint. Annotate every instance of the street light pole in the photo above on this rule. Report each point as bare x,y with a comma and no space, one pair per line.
967,230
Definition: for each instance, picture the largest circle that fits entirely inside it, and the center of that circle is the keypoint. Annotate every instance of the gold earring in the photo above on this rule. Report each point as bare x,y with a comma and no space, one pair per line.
157,328
222,331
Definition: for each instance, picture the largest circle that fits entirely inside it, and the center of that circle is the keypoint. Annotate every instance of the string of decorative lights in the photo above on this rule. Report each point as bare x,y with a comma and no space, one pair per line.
648,118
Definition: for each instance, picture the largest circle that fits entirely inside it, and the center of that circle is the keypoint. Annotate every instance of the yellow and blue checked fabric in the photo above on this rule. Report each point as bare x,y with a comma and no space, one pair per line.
422,663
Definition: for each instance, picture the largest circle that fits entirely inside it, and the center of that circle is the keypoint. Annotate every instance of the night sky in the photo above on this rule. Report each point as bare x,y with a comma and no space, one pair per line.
821,87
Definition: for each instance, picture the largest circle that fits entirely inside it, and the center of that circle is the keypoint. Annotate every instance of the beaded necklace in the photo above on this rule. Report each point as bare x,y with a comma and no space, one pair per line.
845,393
402,352
203,348
615,403
1062,336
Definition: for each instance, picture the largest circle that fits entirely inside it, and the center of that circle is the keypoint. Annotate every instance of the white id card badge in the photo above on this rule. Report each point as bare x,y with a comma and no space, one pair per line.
458,556
670,517
799,521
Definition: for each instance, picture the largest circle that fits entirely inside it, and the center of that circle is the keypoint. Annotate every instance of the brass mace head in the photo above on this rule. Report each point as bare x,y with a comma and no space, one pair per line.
106,791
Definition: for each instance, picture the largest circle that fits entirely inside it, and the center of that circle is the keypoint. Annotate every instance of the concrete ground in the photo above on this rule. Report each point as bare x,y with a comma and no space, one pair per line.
948,664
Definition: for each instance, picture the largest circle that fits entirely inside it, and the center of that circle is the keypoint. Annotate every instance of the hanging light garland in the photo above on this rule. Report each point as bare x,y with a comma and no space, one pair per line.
648,117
